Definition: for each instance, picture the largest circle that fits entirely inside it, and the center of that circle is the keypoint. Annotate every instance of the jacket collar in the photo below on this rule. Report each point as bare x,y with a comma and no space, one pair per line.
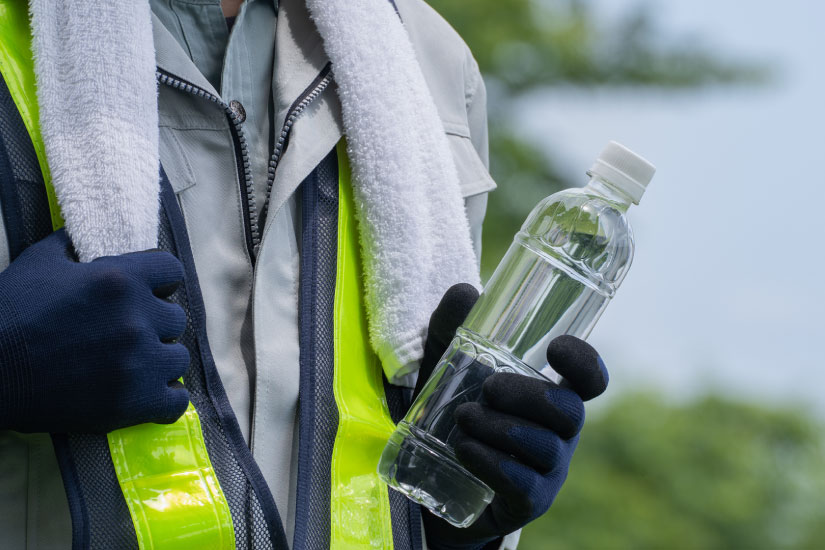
299,60
170,57
299,56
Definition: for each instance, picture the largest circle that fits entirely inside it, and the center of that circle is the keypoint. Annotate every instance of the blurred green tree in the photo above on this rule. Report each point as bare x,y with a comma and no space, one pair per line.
527,45
711,474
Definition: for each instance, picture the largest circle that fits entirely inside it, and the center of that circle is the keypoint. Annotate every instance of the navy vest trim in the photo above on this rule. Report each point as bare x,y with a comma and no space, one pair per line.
318,412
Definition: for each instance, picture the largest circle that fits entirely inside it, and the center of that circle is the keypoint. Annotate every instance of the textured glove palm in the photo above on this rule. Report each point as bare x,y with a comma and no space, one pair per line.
88,347
519,439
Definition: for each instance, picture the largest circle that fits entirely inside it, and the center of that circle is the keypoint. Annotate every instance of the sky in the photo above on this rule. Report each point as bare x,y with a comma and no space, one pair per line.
727,289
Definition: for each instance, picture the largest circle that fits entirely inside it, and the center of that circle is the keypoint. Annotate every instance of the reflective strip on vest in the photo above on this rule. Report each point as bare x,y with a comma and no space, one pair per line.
16,67
170,486
360,507
168,481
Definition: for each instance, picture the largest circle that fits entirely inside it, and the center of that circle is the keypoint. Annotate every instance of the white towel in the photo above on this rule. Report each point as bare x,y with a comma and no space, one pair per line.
97,90
95,70
415,235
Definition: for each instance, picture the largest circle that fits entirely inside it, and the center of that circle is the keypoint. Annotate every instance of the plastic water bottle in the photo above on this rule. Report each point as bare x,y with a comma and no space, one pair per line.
558,276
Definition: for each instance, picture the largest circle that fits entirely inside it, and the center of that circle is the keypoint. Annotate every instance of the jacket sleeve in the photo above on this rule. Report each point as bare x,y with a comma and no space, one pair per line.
476,101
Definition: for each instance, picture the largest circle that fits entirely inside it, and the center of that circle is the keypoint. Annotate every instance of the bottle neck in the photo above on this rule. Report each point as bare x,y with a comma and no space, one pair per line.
603,188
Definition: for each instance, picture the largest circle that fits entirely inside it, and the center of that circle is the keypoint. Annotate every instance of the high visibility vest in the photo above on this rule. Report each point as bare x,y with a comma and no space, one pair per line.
194,483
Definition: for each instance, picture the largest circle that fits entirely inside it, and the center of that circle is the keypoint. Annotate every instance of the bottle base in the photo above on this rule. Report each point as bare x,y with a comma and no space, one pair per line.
420,470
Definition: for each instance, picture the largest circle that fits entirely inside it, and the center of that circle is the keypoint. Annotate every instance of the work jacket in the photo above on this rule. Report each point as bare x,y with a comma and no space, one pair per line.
262,341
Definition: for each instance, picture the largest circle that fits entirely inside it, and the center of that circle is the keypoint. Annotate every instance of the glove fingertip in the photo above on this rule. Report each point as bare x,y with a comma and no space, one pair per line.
177,401
468,414
579,364
177,360
471,454
452,310
603,370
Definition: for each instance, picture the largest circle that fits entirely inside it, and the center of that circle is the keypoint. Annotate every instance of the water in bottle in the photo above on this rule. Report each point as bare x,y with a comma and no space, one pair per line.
562,269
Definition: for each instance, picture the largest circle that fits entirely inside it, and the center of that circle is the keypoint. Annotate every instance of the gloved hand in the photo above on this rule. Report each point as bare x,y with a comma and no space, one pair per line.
520,438
88,347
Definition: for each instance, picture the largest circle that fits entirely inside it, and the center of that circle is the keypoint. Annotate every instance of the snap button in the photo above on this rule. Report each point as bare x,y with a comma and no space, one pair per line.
237,109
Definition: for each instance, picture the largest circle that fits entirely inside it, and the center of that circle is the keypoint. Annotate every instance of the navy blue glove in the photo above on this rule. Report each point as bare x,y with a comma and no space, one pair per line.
89,347
520,438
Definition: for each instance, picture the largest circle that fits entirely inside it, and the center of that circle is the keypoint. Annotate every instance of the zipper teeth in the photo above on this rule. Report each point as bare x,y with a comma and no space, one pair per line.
285,129
280,145
290,120
238,125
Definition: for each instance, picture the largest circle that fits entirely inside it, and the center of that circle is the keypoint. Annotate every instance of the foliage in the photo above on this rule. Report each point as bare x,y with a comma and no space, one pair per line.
525,44
711,474
528,45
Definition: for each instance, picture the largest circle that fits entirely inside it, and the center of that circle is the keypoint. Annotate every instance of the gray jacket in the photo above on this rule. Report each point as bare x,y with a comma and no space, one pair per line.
248,305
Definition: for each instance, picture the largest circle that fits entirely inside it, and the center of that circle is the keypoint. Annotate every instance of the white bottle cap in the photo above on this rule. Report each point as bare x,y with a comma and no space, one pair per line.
623,169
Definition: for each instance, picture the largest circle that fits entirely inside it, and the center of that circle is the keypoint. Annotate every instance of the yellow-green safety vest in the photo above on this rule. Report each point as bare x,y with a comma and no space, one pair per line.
165,472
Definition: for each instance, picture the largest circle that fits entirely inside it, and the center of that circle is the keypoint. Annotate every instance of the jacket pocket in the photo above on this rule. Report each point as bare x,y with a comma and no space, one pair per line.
472,173
176,162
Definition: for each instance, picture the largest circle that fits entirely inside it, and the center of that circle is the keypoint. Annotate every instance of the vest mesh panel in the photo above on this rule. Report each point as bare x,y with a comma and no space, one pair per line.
100,517
23,192
318,412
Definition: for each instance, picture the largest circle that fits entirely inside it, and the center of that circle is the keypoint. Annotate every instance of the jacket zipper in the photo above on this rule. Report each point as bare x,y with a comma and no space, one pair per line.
247,187
298,106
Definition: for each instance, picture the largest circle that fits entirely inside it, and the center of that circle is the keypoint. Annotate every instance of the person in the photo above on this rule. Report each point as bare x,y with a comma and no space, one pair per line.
230,379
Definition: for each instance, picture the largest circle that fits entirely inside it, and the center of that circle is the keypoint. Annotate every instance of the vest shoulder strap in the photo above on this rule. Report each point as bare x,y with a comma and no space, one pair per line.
16,65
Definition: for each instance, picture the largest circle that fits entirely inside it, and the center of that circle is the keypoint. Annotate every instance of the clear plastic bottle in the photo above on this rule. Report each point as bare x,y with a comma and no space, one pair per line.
562,269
